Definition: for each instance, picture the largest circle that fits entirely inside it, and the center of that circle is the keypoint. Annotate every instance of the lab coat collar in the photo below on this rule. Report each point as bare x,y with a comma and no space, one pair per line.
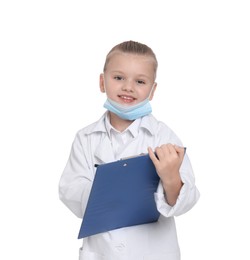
98,126
133,128
147,122
108,155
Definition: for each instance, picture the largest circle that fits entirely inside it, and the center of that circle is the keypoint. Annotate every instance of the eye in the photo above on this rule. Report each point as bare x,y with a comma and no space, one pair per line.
118,78
141,82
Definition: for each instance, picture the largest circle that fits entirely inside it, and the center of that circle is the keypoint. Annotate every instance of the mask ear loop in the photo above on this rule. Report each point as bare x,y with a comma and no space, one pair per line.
150,93
104,85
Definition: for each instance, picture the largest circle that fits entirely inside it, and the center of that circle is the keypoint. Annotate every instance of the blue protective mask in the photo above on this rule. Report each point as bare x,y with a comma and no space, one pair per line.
128,112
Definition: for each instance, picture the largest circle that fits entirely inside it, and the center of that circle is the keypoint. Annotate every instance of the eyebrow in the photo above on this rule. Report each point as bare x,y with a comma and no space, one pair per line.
117,71
143,75
139,75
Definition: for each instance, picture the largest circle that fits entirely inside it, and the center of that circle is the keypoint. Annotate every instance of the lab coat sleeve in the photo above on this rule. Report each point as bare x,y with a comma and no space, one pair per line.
188,195
76,180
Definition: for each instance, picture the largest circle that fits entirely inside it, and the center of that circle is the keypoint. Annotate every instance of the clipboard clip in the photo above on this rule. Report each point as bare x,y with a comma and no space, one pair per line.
133,156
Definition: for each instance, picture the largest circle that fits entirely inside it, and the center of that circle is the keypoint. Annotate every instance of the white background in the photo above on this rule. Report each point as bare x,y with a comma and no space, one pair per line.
51,54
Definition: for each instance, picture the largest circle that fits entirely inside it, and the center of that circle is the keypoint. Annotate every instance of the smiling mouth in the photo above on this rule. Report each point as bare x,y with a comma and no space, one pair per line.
126,99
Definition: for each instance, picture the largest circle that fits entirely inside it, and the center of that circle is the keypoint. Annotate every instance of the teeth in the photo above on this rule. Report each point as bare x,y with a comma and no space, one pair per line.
128,98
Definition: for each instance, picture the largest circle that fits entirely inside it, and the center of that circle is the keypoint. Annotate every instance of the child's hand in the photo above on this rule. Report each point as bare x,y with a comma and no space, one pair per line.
167,164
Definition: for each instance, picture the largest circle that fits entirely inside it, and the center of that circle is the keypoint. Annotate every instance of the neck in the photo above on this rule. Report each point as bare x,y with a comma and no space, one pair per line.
119,123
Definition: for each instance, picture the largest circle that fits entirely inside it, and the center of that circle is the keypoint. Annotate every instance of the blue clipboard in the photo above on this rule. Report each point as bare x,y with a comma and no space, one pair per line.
122,195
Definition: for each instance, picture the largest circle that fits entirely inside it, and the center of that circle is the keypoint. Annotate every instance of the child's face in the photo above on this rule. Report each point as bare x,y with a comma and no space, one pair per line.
129,78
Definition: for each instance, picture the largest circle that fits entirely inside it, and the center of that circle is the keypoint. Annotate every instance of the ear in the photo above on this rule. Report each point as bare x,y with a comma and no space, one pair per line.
101,83
153,91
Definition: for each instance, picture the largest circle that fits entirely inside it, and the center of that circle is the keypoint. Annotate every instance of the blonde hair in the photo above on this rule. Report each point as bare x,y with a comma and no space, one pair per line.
133,48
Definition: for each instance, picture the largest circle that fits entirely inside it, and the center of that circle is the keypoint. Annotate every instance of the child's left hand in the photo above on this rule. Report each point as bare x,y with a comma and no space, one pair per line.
167,161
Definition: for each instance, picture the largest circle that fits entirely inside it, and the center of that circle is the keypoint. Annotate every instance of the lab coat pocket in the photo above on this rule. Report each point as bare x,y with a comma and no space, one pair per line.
86,255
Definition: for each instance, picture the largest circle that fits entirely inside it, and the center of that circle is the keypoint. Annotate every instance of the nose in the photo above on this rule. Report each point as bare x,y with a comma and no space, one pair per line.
128,86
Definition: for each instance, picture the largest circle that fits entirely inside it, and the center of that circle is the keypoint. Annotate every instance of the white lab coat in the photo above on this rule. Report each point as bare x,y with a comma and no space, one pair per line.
155,241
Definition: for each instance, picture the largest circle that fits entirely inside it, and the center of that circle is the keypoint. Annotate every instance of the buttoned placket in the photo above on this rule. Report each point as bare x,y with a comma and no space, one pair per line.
119,141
